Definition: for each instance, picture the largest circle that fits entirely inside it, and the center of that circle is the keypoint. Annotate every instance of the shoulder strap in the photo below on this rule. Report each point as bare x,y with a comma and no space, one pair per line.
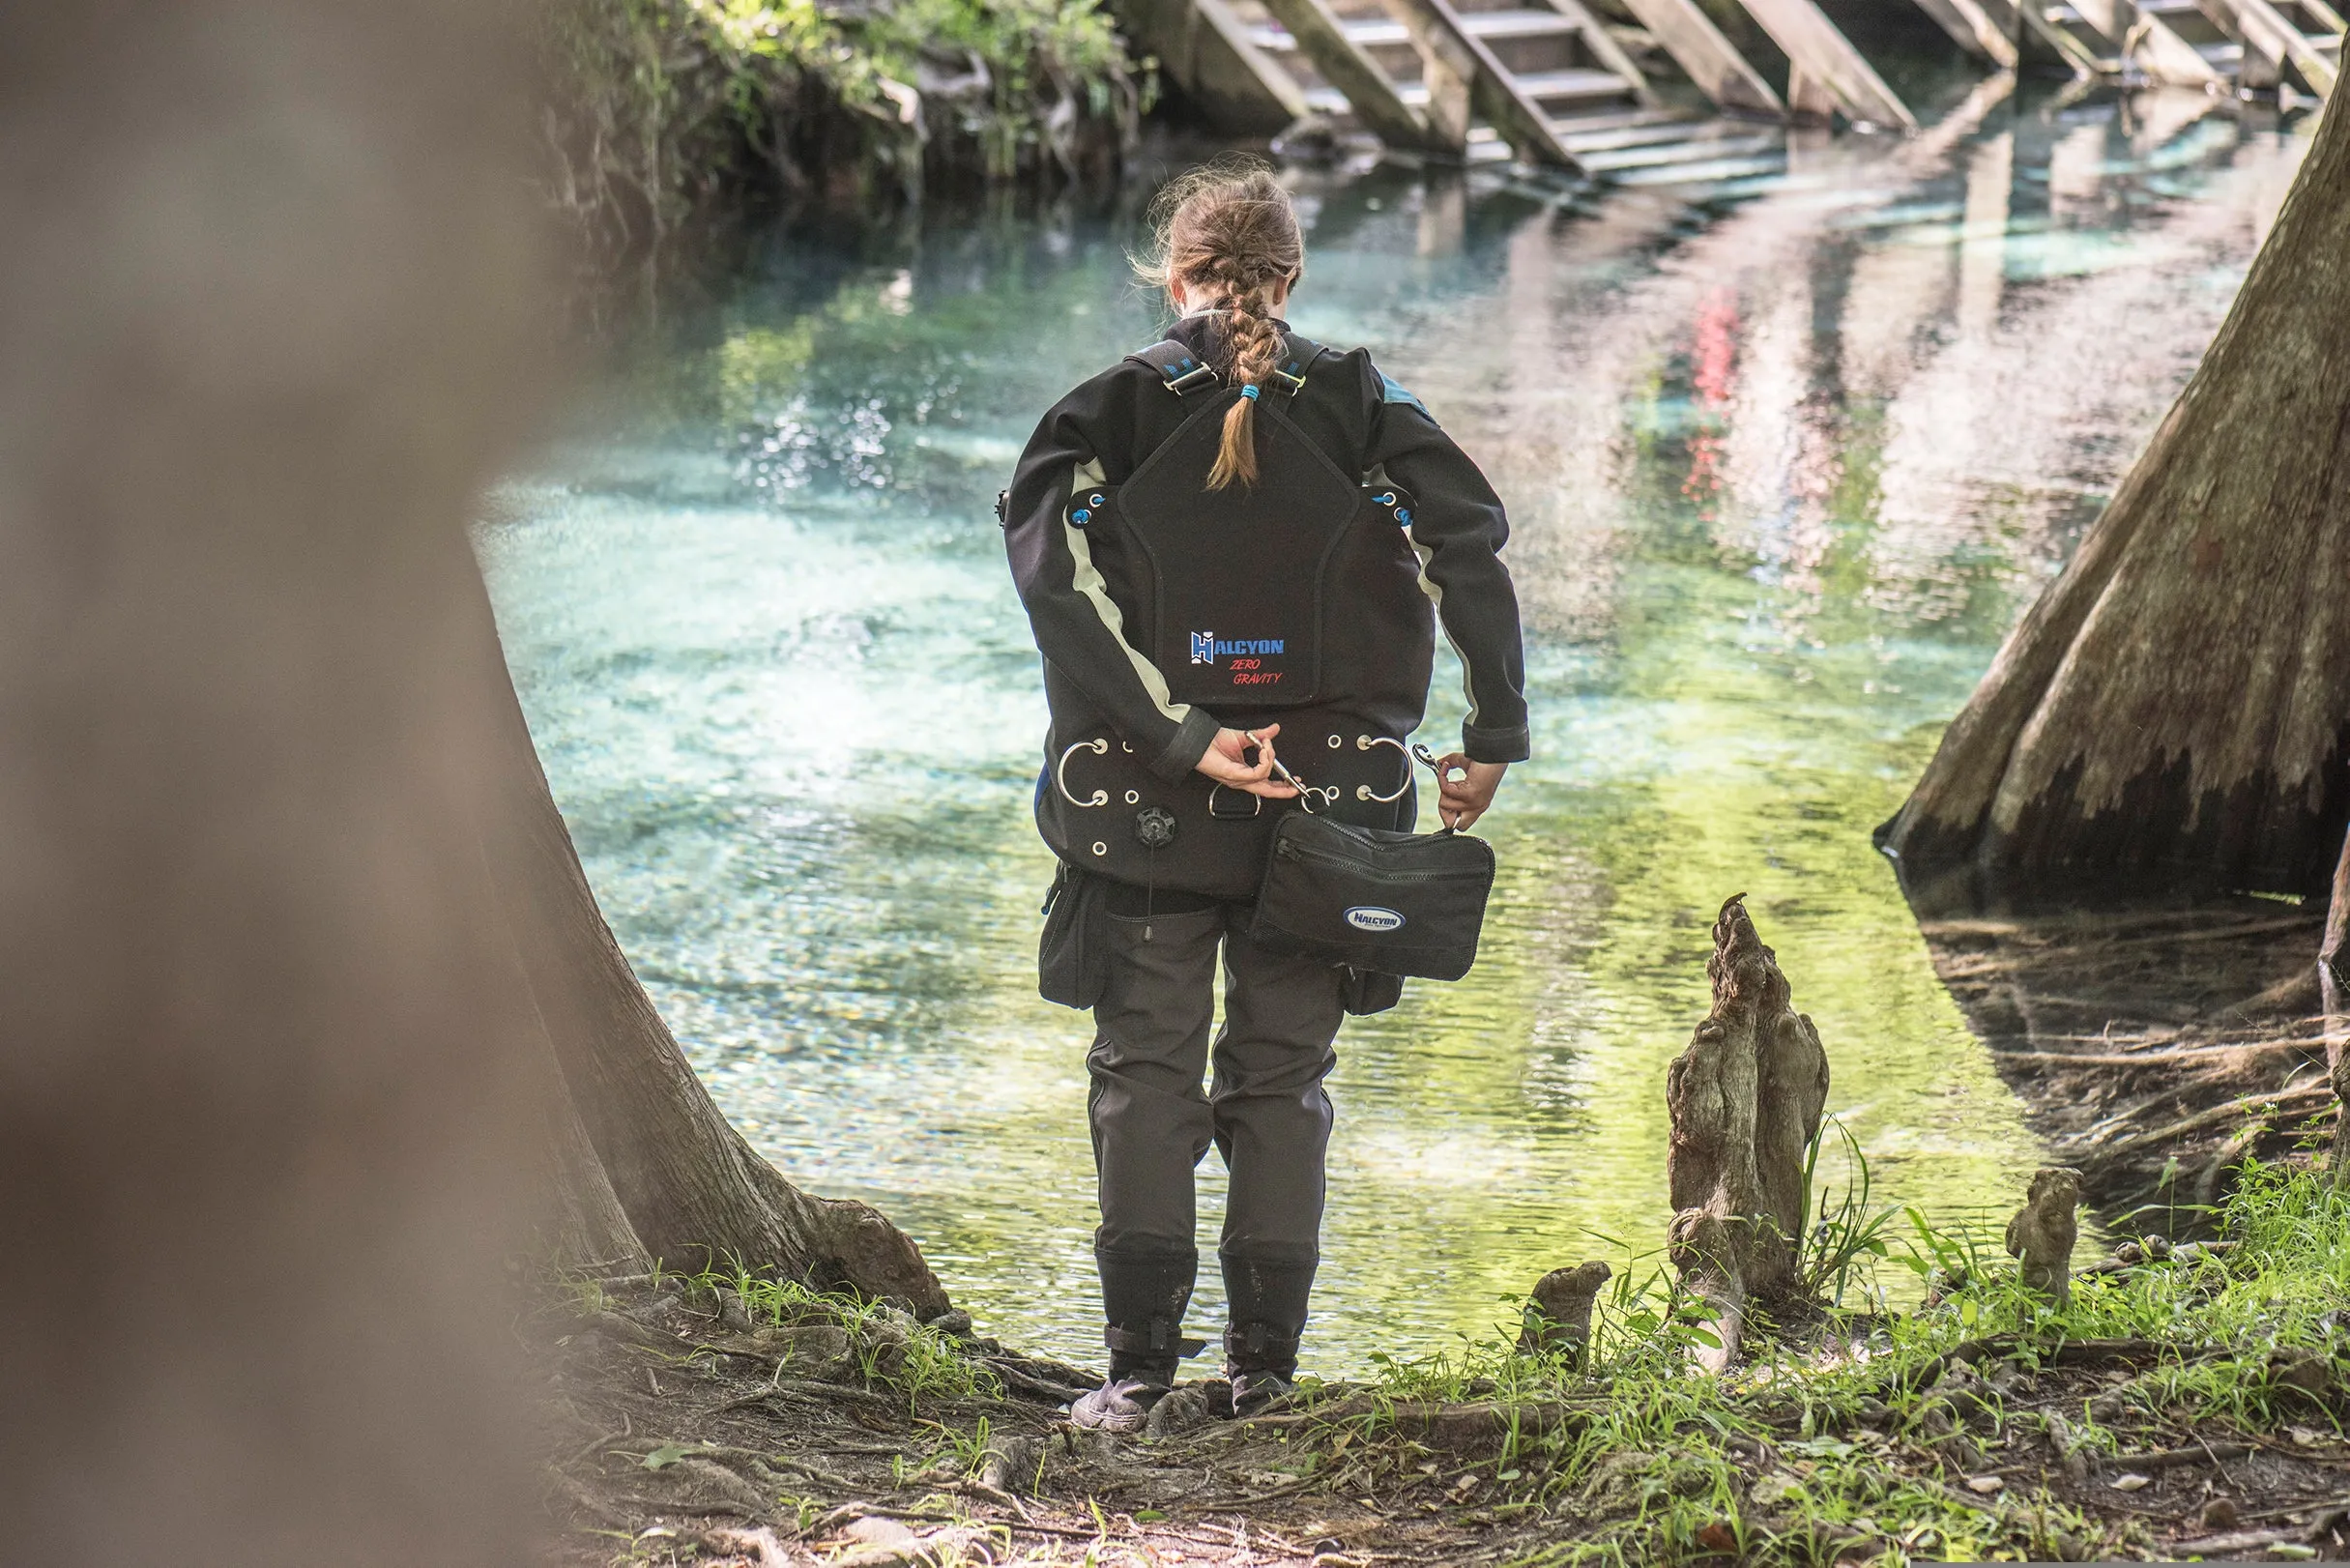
1185,374
1175,364
1297,359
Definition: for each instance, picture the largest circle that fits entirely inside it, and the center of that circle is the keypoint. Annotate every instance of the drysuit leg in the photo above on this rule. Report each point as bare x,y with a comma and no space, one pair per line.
1272,1123
1152,1125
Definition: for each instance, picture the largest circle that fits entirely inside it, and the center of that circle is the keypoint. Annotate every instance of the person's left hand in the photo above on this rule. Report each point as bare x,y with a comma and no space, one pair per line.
1461,802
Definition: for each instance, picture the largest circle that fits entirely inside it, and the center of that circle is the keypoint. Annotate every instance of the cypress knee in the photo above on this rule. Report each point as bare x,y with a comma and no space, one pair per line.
1745,1101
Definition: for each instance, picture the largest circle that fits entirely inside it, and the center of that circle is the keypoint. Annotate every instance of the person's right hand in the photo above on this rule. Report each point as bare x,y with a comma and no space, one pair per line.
1226,762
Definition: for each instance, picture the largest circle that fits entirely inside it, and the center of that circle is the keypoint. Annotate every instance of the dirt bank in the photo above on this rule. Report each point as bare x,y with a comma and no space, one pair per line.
2186,1404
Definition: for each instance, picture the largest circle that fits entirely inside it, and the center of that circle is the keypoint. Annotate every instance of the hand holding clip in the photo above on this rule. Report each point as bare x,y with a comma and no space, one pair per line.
1228,762
1461,801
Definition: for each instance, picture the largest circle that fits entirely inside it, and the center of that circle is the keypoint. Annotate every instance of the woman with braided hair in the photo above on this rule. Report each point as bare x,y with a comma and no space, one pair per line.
1234,539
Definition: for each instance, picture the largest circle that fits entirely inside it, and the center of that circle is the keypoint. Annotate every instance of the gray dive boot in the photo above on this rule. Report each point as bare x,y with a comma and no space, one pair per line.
1268,1314
1144,1299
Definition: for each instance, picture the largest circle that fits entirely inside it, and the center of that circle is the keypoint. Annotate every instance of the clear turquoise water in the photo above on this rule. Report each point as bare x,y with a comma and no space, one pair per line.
1782,470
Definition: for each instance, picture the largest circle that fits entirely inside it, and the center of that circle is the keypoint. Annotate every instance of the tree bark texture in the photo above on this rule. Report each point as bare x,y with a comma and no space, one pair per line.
1558,1316
2041,1235
2178,701
1745,1101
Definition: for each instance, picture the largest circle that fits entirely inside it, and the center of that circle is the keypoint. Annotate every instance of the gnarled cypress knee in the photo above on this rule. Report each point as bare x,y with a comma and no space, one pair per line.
1745,1099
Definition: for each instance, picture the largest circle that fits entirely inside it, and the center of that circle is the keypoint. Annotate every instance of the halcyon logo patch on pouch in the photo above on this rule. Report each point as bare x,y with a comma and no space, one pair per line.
1370,917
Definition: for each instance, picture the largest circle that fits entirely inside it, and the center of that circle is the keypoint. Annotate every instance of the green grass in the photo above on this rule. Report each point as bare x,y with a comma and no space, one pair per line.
1814,1451
892,1350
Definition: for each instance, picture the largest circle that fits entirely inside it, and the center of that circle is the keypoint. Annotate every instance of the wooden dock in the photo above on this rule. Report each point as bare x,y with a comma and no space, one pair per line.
2254,46
1549,83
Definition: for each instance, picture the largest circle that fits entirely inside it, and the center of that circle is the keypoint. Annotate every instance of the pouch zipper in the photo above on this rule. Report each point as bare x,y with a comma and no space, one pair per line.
1293,851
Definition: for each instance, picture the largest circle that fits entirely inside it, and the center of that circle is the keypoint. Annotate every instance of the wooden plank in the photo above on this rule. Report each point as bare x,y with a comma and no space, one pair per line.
1826,66
2150,42
1493,91
1208,53
2085,61
1712,62
2260,28
1447,68
1367,89
1605,51
1973,29
2007,16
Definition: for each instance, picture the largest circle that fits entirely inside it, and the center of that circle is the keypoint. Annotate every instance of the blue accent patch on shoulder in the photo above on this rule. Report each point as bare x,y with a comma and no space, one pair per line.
1392,390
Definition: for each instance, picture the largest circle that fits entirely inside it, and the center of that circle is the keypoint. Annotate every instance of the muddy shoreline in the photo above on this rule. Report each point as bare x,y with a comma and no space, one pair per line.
678,1436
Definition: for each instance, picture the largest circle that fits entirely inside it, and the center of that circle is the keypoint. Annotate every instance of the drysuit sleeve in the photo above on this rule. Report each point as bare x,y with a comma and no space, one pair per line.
1078,626
1457,530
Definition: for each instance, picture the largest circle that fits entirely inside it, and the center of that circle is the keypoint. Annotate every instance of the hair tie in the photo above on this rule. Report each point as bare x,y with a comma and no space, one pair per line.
1249,392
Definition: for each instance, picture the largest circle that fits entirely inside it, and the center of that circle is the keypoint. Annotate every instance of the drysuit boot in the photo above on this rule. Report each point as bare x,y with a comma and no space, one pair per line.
1268,1314
1143,1297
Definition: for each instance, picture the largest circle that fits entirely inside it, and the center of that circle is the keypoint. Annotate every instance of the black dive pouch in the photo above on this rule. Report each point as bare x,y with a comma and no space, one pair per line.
1072,963
1381,902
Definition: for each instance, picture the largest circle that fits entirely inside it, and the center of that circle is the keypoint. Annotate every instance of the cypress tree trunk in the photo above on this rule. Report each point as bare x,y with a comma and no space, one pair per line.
694,1191
267,1118
2178,701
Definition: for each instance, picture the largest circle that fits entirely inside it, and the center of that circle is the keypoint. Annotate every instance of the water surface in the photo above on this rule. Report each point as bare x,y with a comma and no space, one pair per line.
1783,463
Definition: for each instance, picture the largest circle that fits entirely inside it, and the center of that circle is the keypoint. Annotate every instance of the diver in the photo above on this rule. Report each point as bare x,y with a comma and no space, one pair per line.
1234,547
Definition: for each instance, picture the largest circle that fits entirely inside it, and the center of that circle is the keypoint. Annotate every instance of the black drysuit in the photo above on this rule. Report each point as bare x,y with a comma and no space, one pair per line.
1123,743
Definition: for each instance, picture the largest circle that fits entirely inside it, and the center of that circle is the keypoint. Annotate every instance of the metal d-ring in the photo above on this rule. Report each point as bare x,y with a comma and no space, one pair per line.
1099,746
1364,792
1256,804
1306,793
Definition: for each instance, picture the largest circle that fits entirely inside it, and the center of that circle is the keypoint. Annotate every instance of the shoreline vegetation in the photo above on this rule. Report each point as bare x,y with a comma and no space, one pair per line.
661,115
2183,1396
2185,1401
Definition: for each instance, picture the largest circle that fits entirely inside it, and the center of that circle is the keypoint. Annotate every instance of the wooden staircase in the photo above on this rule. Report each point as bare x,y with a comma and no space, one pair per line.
2213,44
1546,83
2281,40
1541,79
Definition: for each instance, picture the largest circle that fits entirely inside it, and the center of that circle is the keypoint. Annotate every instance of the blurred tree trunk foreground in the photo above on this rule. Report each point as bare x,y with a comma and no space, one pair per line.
302,1000
2178,701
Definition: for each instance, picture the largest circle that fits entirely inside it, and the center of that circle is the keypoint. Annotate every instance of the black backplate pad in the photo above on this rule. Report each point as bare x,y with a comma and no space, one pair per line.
1240,572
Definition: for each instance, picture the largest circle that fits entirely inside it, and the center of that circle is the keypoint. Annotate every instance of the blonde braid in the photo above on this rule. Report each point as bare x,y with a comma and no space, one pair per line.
1252,349
1229,231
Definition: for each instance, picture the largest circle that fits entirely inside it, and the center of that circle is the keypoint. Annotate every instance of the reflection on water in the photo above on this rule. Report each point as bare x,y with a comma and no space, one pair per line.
1785,462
